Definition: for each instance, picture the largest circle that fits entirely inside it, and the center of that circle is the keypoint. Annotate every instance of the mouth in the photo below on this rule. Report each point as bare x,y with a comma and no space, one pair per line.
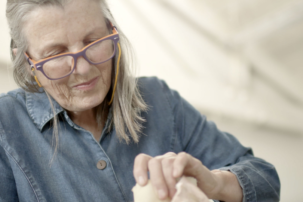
87,85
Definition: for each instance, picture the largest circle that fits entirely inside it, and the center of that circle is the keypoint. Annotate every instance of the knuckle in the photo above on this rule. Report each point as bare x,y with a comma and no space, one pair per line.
153,162
168,162
141,158
166,155
198,162
138,157
183,155
170,154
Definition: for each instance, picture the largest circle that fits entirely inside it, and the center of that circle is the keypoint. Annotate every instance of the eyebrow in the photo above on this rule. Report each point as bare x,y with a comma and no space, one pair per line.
98,29
47,48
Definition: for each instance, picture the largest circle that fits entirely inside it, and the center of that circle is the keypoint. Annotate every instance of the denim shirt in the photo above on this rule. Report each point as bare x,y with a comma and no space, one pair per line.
172,125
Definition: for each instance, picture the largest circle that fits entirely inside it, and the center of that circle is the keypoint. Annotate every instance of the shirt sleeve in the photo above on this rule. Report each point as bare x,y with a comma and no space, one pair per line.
220,150
8,191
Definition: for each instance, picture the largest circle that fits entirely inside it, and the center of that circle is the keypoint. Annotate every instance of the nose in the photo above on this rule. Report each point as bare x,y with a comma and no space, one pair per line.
82,66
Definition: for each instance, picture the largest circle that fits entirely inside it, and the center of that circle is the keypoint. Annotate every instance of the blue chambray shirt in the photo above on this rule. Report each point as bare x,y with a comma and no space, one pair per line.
172,124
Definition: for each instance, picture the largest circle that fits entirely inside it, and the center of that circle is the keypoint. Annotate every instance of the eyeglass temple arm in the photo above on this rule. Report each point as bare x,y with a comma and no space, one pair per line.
117,73
32,69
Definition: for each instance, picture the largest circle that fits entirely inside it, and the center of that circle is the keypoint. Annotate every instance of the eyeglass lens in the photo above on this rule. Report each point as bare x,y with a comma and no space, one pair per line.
62,66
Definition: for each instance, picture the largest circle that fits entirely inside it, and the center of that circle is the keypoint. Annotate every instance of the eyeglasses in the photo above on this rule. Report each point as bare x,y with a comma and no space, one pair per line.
62,65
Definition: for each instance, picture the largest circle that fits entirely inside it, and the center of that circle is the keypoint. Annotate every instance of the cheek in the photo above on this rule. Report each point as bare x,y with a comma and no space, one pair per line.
106,72
56,88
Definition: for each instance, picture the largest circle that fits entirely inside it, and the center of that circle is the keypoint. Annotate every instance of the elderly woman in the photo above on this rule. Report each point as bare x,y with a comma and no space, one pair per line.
82,128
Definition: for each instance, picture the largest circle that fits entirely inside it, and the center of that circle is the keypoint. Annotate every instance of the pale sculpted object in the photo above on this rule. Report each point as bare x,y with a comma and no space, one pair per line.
148,194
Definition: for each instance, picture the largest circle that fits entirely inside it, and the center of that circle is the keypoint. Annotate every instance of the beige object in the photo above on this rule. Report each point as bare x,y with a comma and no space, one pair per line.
148,194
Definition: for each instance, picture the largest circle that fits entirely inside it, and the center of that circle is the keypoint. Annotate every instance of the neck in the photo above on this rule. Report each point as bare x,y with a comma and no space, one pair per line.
84,117
89,121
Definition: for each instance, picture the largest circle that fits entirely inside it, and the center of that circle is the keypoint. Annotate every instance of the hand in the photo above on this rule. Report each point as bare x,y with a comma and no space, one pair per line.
188,192
166,169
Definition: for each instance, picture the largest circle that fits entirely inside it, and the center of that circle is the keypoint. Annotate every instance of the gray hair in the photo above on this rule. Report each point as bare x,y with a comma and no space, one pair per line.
127,103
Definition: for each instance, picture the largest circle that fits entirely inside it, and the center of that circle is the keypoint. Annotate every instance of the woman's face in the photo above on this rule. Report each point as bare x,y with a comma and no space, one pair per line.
51,30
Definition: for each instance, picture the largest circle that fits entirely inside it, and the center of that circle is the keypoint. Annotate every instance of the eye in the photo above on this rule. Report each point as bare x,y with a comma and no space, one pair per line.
56,53
53,53
89,41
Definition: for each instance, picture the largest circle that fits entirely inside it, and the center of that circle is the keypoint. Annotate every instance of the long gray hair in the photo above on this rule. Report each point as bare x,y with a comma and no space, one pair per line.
127,103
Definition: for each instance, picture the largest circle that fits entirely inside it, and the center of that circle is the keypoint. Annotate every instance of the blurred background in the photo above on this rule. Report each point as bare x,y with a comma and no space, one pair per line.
237,61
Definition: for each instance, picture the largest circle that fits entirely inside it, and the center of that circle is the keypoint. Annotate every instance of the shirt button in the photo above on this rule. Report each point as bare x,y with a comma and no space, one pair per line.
101,164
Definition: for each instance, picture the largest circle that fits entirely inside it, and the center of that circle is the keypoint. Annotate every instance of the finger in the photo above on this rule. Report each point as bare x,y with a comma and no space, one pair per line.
170,154
166,155
186,164
157,178
167,168
141,169
167,171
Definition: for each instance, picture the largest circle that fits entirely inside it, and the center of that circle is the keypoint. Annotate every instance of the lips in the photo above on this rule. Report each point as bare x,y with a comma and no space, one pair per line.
87,85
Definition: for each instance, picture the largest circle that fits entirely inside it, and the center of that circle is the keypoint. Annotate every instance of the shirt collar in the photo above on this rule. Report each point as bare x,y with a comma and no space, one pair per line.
39,108
41,112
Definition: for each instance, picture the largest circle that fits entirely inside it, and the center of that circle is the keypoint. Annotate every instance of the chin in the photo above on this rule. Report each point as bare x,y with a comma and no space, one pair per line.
88,104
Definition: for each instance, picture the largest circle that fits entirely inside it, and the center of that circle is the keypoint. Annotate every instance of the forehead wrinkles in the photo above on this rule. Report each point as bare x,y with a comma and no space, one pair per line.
42,22
83,15
68,23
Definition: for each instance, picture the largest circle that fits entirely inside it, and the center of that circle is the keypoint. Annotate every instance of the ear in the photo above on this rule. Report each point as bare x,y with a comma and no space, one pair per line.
15,51
29,68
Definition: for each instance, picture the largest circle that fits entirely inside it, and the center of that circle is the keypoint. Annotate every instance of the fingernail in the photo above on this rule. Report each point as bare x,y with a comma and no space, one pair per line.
161,193
141,181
